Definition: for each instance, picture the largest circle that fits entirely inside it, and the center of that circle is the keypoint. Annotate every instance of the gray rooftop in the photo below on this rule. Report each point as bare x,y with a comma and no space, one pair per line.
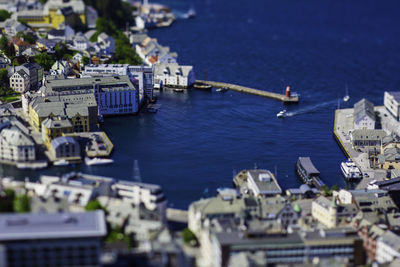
363,108
62,140
368,134
308,165
105,83
36,226
265,181
396,95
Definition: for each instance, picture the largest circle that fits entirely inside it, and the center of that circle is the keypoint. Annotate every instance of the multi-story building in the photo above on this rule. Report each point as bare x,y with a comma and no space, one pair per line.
33,70
262,183
78,114
114,94
51,239
20,81
387,247
367,137
54,13
54,127
364,115
173,75
141,75
391,101
15,143
65,147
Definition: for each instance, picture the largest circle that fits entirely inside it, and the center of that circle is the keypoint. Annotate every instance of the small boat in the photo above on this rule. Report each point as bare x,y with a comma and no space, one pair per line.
97,161
281,114
202,86
346,97
178,90
61,162
191,13
221,90
350,170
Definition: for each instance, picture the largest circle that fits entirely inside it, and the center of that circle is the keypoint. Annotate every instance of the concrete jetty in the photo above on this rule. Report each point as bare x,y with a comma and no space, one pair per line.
247,90
177,215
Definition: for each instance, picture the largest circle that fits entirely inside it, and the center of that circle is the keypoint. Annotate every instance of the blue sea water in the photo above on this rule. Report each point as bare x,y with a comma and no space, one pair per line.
196,140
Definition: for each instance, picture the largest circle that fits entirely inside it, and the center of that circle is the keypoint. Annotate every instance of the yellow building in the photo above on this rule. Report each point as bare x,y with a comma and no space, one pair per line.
54,127
41,109
54,13
325,211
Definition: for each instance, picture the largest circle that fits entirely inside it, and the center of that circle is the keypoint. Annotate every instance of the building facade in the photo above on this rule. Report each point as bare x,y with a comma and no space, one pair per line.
65,147
391,101
20,81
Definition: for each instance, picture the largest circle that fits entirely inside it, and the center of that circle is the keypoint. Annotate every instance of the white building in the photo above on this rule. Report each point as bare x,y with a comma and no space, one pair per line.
364,115
392,103
15,145
262,183
141,75
13,26
80,42
387,248
173,75
114,94
52,239
20,81
60,67
106,44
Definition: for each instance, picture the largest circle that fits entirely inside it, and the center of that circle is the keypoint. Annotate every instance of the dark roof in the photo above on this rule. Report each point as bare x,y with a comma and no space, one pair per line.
55,32
307,165
392,184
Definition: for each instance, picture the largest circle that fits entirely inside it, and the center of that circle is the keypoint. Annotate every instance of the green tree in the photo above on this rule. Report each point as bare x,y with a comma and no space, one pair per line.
22,204
8,49
94,205
4,14
30,38
6,201
335,187
44,60
189,238
85,60
325,190
116,11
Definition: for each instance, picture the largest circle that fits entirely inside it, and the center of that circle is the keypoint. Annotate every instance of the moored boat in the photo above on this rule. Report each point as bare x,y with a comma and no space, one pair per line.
350,170
97,161
61,162
308,173
202,86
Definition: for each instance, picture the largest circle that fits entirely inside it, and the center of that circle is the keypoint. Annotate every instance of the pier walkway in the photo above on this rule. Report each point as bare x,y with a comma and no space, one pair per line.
247,90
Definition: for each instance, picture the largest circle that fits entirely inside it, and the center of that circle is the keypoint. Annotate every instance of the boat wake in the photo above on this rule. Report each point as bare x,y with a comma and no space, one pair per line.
310,109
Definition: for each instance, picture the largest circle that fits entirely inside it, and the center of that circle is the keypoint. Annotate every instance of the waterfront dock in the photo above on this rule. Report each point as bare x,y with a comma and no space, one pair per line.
247,90
343,125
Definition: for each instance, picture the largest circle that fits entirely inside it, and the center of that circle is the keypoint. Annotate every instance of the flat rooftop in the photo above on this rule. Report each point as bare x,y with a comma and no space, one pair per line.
36,226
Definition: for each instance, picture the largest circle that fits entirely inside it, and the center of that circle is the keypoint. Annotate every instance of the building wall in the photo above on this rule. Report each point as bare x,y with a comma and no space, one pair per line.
385,253
392,105
365,123
66,150
118,102
49,134
326,216
16,153
56,252
19,83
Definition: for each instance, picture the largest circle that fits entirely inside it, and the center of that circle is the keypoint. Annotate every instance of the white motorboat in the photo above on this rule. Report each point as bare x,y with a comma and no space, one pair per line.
346,97
350,170
97,161
281,114
61,162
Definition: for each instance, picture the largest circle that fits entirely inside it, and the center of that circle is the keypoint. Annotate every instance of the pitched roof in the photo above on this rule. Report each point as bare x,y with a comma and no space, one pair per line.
363,108
62,140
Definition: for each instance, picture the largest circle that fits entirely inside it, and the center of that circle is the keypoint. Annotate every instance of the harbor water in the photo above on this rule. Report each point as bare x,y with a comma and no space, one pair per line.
197,140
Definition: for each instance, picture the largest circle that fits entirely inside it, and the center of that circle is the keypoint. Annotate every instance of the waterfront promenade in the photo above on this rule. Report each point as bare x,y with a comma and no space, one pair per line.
343,125
247,90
